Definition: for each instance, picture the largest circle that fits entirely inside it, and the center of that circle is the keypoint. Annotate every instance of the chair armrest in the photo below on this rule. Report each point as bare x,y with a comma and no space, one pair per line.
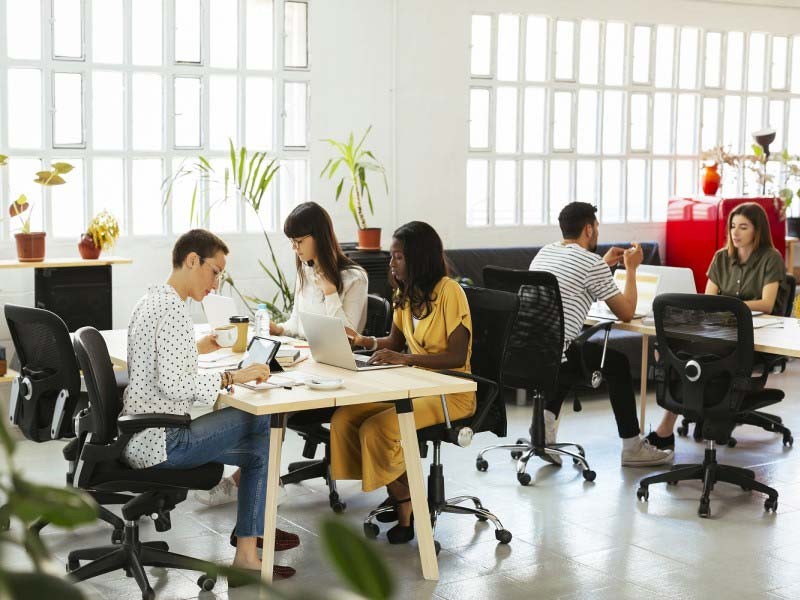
135,423
580,341
478,418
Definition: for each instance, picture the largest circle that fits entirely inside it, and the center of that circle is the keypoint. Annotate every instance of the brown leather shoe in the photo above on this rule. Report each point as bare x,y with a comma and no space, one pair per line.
283,541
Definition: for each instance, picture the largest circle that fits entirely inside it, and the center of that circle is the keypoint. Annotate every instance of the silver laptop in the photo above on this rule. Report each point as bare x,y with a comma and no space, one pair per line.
646,286
218,309
329,344
671,280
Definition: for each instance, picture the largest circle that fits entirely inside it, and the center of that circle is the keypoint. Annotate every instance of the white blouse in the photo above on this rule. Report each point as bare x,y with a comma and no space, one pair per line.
162,370
350,305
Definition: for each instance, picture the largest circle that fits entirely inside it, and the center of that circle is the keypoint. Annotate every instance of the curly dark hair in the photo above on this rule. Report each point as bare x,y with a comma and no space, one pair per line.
425,266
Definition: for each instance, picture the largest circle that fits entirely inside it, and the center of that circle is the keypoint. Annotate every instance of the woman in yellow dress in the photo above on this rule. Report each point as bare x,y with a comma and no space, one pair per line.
432,320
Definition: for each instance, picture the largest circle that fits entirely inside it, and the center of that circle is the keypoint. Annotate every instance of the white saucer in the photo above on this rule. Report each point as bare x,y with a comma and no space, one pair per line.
333,383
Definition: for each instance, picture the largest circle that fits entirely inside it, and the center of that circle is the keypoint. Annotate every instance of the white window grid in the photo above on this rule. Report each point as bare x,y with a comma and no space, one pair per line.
482,204
169,154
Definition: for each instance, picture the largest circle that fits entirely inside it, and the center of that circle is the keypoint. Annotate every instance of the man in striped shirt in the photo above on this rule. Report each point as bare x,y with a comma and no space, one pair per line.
584,277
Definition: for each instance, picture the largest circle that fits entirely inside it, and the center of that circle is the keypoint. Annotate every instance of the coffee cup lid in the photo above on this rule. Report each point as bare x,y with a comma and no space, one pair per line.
240,319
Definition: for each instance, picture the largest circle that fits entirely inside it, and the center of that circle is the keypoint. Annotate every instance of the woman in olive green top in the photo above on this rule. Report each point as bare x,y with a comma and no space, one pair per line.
748,268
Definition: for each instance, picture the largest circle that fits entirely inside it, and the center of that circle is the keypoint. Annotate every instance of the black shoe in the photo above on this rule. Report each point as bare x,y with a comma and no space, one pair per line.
665,443
400,534
390,516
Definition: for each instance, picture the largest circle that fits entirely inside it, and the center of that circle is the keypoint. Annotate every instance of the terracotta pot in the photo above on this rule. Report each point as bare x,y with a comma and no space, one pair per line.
710,180
87,248
369,239
30,246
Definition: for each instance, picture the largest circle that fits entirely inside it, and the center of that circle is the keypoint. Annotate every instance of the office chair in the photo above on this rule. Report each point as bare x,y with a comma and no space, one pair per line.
766,364
311,424
704,371
155,492
533,362
493,314
46,396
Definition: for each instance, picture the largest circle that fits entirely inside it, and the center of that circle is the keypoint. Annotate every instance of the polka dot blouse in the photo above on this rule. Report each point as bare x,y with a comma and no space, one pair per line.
162,370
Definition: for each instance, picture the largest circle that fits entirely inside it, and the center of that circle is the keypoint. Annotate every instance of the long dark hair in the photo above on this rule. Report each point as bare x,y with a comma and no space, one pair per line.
425,267
309,218
755,214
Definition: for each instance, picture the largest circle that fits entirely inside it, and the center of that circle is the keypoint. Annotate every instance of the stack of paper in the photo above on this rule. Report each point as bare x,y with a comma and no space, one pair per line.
224,357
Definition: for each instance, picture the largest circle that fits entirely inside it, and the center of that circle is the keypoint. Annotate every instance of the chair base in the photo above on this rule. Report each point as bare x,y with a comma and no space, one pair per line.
525,449
710,472
132,556
312,469
438,504
104,514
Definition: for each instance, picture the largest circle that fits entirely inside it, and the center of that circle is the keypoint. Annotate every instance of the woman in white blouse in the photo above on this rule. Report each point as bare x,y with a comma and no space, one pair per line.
328,283
164,378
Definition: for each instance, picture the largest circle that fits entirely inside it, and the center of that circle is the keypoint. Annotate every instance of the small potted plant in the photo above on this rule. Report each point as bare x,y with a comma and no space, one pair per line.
31,244
101,234
357,161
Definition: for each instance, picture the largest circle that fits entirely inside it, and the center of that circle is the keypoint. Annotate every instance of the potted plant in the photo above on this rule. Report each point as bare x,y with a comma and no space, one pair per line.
357,161
31,245
101,234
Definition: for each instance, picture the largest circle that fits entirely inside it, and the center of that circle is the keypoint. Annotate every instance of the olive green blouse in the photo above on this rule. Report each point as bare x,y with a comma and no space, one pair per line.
746,280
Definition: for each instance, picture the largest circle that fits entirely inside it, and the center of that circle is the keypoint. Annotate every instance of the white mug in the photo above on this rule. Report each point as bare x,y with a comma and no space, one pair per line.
226,335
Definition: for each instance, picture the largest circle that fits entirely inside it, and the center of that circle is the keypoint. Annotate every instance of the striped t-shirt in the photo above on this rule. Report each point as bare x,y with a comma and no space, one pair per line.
583,277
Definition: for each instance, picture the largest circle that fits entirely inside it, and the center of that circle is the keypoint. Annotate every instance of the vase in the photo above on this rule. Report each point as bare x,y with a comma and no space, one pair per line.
369,239
710,180
87,248
30,246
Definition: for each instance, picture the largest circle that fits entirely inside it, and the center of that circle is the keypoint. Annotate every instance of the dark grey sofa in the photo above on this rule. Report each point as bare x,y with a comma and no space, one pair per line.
469,262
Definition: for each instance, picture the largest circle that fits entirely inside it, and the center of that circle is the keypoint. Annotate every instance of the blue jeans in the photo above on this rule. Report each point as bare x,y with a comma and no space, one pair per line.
232,437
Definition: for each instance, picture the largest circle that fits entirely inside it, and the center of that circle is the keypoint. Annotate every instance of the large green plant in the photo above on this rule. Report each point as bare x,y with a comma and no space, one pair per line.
245,178
356,161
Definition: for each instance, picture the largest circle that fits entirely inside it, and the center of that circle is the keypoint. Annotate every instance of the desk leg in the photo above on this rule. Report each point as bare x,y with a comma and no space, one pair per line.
419,497
643,384
271,511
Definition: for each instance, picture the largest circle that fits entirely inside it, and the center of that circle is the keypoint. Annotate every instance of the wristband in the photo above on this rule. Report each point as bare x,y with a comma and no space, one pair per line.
374,344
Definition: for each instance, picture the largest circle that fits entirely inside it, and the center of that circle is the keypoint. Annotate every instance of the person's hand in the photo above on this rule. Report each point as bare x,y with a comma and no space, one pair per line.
257,371
274,328
613,256
207,344
325,285
356,339
389,357
633,256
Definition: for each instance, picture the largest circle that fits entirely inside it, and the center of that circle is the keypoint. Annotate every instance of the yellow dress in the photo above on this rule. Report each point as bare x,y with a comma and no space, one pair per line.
365,438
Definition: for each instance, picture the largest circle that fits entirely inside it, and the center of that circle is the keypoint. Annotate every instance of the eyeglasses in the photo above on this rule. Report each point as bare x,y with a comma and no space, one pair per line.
297,241
219,274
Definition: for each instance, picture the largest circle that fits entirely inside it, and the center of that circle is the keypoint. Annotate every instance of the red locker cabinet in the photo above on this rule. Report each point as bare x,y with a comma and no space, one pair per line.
696,229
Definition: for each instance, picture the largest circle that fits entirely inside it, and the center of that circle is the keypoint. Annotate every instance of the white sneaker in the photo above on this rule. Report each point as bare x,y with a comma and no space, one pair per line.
645,455
550,430
224,492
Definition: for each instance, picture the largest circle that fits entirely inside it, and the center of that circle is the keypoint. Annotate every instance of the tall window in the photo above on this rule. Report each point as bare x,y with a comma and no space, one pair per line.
125,90
616,114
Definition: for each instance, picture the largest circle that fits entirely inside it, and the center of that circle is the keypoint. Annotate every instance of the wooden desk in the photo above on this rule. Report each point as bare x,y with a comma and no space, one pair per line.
59,263
790,242
399,385
784,341
10,375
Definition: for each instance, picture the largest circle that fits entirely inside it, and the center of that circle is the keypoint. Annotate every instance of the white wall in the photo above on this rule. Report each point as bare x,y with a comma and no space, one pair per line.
402,66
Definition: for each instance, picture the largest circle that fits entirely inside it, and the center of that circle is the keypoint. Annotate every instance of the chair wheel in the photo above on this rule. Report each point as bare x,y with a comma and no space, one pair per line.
73,565
683,430
643,494
523,478
732,442
481,464
705,509
503,535
521,441
788,440
437,547
672,483
575,461
771,504
149,594
116,536
589,475
516,454
371,530
206,582
339,507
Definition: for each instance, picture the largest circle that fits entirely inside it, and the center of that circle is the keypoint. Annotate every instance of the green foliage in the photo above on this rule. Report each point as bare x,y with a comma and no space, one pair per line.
44,178
357,161
246,177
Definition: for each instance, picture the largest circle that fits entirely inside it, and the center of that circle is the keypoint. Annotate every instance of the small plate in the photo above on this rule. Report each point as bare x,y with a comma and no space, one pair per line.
325,384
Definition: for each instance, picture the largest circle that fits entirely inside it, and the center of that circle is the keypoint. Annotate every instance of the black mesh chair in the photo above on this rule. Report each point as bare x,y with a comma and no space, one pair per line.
533,362
311,425
766,364
704,371
493,314
46,396
154,492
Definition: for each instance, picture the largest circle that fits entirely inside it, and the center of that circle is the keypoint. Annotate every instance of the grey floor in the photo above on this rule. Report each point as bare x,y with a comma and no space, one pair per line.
572,539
